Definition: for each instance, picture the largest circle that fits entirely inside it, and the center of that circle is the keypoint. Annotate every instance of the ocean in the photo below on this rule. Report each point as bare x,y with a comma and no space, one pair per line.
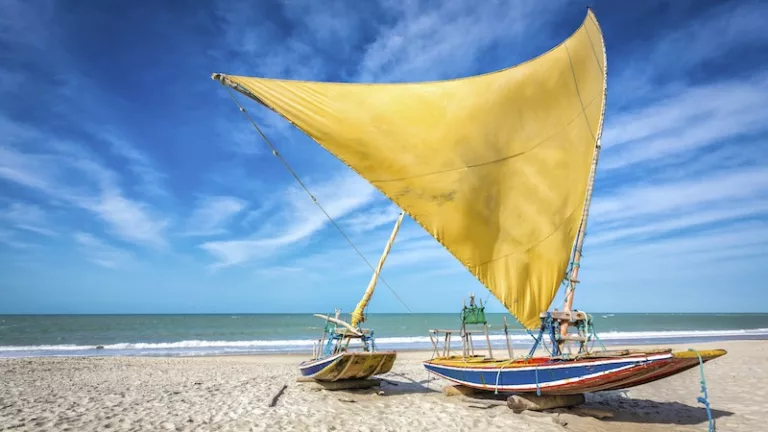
189,335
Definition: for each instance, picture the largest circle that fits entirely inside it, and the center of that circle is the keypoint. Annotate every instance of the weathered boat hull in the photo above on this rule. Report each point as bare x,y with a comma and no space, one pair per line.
349,365
567,376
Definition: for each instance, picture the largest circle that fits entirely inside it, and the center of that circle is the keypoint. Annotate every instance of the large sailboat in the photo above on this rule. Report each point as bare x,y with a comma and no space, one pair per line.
499,168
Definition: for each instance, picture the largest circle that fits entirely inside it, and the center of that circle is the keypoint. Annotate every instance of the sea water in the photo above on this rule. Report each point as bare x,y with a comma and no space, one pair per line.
185,335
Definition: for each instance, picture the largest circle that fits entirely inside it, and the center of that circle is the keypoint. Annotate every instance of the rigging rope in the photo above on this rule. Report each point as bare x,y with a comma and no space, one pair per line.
703,400
295,176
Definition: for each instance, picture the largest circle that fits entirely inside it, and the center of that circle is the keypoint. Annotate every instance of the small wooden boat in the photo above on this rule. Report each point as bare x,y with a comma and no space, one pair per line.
348,366
331,359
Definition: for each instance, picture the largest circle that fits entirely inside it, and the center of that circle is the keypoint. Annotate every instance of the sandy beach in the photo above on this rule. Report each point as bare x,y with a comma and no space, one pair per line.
232,393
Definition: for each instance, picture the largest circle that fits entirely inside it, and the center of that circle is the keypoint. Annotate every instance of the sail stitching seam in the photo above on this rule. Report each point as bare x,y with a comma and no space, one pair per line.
594,52
501,159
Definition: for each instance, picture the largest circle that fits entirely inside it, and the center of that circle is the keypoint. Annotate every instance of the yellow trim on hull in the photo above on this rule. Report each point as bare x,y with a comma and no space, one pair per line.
706,355
358,365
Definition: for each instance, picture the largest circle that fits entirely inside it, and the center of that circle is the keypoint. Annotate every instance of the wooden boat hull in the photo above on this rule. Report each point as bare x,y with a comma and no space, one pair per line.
619,370
349,365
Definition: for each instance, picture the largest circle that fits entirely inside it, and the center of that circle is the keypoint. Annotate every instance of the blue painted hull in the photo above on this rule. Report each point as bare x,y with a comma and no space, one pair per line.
553,376
311,368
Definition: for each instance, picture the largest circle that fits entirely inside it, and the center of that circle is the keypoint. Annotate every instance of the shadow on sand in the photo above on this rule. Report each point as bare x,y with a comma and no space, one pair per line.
396,383
629,410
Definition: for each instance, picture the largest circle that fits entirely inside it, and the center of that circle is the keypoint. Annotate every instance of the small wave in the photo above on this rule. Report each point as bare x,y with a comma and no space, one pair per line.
204,347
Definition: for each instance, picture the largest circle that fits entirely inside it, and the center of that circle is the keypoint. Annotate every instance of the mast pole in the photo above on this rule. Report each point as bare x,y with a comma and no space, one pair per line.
357,314
573,278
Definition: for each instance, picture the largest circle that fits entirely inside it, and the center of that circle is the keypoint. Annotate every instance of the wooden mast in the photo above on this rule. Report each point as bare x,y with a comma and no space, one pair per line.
357,314
573,277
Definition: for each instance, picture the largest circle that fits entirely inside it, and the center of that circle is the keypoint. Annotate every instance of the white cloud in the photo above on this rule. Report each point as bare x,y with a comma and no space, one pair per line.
372,218
666,62
718,189
691,120
27,217
665,223
297,220
688,254
70,175
141,165
101,253
212,215
429,42
10,239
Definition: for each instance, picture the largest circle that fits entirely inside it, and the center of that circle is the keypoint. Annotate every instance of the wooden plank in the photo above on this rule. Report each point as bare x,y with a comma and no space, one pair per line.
565,316
458,331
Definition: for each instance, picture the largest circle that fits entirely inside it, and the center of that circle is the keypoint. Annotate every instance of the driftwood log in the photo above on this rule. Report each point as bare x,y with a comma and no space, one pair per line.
458,390
277,395
523,402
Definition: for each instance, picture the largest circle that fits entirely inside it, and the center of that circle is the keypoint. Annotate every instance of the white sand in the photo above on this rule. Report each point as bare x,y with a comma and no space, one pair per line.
232,393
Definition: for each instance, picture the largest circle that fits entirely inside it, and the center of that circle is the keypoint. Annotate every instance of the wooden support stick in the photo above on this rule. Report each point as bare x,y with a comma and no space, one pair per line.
506,334
277,395
488,339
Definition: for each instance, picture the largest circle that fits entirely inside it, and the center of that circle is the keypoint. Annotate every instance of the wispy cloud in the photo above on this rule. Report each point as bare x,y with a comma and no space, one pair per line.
653,199
428,42
693,119
212,215
693,51
70,175
11,239
27,217
100,253
372,218
682,181
150,178
297,219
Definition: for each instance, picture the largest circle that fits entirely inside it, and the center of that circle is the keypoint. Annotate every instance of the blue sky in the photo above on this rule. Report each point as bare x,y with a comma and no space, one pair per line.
129,182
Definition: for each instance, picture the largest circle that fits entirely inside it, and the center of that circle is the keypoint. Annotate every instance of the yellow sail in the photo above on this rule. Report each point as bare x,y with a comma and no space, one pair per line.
494,166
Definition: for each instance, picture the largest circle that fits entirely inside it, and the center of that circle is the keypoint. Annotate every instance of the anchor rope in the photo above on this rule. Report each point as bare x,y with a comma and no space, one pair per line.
703,400
498,374
295,176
